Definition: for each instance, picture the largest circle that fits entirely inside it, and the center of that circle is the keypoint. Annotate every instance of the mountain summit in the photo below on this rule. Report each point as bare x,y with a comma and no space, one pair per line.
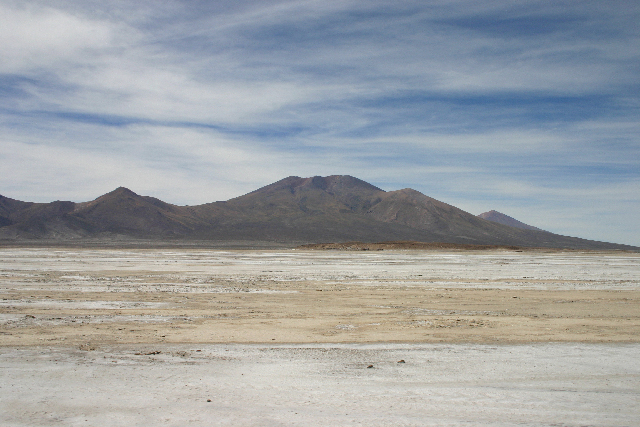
336,208
501,218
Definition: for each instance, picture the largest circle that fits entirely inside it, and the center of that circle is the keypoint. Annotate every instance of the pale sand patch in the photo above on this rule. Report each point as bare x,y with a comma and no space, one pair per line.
94,297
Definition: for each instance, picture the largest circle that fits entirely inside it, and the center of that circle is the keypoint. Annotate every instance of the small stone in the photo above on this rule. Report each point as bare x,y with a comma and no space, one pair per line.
208,400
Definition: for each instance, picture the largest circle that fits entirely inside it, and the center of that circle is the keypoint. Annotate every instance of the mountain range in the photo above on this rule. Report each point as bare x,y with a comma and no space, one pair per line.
336,208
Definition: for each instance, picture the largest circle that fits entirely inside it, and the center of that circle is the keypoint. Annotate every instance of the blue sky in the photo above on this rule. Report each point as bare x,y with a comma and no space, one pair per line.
530,108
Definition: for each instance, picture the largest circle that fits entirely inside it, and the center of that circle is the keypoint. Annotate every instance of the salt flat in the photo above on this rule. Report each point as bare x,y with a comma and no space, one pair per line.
146,337
557,384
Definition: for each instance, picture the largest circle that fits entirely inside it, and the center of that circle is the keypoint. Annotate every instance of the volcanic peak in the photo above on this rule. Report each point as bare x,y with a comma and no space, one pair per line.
331,184
501,218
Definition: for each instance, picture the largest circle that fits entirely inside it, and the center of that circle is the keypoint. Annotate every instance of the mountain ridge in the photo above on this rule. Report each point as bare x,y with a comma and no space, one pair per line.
501,218
336,208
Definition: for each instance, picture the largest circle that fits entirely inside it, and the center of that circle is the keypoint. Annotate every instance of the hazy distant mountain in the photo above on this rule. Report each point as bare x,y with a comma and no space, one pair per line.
501,218
294,210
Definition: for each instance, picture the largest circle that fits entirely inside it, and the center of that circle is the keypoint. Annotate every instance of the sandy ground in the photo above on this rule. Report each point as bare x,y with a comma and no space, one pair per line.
122,337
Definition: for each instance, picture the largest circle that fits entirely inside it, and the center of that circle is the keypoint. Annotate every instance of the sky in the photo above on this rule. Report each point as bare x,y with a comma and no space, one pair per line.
530,108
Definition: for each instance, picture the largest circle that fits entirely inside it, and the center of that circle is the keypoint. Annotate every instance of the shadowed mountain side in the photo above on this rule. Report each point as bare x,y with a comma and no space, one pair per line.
26,219
120,212
124,212
501,218
296,210
8,207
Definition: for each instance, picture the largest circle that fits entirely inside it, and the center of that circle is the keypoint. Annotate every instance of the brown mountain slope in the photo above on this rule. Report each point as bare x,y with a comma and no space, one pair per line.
445,223
124,212
501,218
296,210
10,206
9,209
40,219
299,209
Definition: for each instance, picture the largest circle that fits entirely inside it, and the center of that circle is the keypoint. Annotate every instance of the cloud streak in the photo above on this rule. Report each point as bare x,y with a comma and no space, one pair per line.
492,105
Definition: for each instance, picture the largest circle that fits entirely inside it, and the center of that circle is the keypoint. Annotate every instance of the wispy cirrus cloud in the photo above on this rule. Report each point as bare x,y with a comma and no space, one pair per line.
485,105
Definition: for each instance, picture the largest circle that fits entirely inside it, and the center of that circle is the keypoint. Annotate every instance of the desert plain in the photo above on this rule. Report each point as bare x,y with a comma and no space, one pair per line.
195,336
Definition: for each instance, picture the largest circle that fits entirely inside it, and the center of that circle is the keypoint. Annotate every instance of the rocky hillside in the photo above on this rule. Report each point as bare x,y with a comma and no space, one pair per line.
296,210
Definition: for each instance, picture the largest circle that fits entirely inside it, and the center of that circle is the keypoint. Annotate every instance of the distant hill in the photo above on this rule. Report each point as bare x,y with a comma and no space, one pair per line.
501,218
294,210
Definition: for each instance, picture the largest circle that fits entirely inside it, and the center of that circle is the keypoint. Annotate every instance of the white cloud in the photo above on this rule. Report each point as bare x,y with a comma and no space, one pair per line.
513,141
33,37
178,165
